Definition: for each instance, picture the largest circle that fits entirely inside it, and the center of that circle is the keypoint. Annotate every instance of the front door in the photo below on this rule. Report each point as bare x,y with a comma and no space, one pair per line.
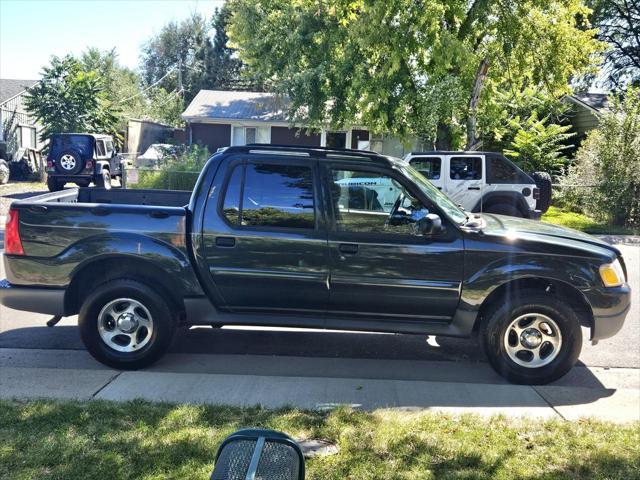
464,179
431,167
265,241
380,266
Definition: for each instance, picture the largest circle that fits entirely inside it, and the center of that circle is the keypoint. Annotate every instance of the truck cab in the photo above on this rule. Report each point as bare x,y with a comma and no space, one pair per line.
485,182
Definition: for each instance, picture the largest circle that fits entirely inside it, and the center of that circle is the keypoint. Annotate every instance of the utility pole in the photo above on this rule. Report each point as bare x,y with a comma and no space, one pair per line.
179,75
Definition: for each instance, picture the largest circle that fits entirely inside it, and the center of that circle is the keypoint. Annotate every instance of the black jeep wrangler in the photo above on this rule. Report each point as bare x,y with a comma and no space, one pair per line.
82,158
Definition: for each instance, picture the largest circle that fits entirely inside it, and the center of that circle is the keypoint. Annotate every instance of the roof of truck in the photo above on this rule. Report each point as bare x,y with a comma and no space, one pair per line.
455,152
94,135
317,152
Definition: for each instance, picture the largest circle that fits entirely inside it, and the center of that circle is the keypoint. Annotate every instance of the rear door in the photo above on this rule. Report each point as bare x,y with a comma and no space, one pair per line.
465,179
265,237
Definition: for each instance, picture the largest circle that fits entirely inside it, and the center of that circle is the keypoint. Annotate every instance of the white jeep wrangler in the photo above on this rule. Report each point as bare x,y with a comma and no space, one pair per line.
485,181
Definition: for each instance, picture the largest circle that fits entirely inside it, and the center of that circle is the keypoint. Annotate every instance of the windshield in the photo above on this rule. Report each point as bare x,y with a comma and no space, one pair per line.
436,196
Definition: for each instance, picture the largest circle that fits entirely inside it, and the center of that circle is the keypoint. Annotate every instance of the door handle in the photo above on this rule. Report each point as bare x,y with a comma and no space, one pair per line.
348,248
38,209
227,242
473,188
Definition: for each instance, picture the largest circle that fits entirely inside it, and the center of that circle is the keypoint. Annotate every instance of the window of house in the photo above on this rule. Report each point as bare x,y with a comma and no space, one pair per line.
428,166
27,137
249,135
502,171
465,168
371,202
272,196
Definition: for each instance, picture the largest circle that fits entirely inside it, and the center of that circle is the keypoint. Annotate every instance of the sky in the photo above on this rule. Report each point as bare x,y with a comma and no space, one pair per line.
31,31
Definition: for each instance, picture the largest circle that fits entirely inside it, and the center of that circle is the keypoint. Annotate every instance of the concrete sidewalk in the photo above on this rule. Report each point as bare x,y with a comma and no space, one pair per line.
605,394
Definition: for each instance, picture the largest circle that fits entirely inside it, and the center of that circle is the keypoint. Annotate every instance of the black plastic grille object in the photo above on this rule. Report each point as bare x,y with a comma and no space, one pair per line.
258,455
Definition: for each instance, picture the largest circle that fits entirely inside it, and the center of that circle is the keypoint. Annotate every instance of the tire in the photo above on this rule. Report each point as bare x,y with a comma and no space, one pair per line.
5,172
54,185
504,209
543,182
69,162
104,180
534,306
122,351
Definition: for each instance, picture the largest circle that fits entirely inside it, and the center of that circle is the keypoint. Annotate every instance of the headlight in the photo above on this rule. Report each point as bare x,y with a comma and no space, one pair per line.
612,274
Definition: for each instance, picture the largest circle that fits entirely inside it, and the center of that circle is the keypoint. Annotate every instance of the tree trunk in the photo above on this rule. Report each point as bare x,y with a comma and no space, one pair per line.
481,75
443,137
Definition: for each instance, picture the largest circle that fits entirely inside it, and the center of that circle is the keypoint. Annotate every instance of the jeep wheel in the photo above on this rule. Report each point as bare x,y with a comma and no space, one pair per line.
4,172
54,185
69,163
504,209
532,338
126,325
543,182
104,180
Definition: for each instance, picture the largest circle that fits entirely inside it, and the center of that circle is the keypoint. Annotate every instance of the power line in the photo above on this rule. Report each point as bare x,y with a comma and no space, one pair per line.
171,70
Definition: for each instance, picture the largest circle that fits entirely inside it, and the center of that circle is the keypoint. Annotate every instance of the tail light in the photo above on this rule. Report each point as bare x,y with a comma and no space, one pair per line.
536,193
49,164
12,242
88,165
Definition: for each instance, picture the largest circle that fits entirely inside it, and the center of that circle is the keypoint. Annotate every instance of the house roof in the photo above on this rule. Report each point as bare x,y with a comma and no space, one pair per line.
226,105
10,88
594,101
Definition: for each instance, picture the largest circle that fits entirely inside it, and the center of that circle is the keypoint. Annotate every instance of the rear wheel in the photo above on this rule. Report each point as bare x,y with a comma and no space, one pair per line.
54,185
126,325
532,338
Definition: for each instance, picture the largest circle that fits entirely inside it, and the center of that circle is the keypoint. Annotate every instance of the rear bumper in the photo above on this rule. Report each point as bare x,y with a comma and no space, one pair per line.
610,311
49,301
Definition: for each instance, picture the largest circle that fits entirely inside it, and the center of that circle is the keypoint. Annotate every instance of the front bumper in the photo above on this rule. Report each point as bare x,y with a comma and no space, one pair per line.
32,299
535,214
610,308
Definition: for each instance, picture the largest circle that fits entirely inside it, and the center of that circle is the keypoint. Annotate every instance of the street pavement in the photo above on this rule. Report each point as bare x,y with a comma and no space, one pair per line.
319,369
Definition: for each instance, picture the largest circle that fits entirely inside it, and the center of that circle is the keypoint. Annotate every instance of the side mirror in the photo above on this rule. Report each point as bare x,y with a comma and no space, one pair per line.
429,225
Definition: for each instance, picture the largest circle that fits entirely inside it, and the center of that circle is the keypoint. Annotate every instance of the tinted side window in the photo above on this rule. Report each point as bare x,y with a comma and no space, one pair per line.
373,203
465,168
428,166
502,171
231,206
278,196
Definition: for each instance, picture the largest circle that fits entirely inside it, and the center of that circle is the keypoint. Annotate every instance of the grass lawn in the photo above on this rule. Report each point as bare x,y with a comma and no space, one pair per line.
578,221
138,440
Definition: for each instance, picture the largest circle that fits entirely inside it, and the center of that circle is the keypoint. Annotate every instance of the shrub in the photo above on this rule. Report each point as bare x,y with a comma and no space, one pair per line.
607,166
177,173
539,145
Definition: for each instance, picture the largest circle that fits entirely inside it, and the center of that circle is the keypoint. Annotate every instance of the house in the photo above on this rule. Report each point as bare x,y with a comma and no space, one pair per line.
585,110
13,115
217,118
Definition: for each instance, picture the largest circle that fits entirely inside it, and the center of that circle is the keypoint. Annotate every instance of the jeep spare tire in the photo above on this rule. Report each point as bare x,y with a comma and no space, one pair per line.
69,162
543,182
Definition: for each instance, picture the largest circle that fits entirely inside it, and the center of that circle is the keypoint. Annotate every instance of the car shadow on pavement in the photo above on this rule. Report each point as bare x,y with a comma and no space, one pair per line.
300,353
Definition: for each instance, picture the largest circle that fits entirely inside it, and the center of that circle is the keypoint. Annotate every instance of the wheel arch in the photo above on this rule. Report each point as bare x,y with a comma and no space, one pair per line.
514,198
103,270
565,291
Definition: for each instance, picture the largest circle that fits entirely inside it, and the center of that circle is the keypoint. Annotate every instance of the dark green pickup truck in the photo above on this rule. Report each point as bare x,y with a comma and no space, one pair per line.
293,236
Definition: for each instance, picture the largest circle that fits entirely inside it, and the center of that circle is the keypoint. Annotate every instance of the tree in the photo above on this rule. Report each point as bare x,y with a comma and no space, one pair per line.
409,68
538,145
607,165
121,84
619,26
71,99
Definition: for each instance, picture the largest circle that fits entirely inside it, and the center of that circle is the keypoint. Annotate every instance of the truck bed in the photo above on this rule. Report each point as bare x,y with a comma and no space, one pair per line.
60,230
164,198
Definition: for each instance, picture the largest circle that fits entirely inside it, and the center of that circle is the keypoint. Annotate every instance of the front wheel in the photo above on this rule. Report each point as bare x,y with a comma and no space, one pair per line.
532,338
126,325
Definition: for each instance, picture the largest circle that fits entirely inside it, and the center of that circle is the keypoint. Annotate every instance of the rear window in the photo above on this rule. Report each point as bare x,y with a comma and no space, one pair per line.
428,166
79,143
